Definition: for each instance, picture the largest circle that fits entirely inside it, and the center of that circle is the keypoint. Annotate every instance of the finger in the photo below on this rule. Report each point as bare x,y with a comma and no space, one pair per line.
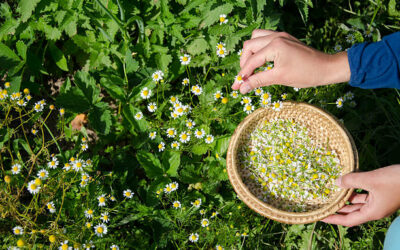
350,208
348,220
356,180
257,60
259,79
358,198
260,32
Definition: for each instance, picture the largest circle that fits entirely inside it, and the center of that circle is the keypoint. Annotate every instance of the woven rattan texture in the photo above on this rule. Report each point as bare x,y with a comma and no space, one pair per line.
322,127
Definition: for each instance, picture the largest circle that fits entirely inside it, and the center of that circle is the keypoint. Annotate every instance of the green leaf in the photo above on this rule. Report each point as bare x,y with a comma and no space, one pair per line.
222,144
171,161
88,86
4,136
112,84
100,118
197,46
15,84
8,59
21,49
150,163
199,149
392,8
131,64
163,60
58,56
213,15
129,113
26,7
73,100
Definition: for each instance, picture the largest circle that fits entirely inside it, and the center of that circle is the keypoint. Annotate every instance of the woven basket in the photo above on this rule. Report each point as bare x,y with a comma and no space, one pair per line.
321,126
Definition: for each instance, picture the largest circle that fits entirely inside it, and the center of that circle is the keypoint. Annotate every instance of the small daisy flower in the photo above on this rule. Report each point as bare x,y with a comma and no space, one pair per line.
185,59
174,185
185,81
217,95
114,247
184,137
145,93
100,230
197,90
168,189
34,131
219,247
284,96
28,98
368,32
16,168
53,163
102,200
220,46
235,94
89,213
128,193
175,145
64,246
194,237
85,177
174,99
18,230
339,102
157,76
202,212
337,48
209,139
152,135
348,96
221,52
239,79
350,38
61,111
78,165
7,85
161,147
139,116
199,133
67,166
176,204
222,19
171,132
245,100
248,108
196,203
190,123
21,103
277,105
50,206
33,188
105,217
43,174
258,91
38,107
174,115
84,146
152,107
214,214
205,223
240,52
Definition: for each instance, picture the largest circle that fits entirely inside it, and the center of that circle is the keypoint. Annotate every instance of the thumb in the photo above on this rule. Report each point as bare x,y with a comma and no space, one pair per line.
260,79
355,180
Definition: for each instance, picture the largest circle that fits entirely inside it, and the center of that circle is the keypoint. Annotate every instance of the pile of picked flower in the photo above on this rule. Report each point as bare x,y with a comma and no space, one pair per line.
283,166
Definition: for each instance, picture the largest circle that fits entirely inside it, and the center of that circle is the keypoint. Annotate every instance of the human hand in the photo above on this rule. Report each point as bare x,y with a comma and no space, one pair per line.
295,64
383,198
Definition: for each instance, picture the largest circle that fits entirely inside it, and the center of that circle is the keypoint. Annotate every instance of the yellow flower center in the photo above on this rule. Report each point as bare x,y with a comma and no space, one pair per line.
146,92
176,204
222,19
160,146
218,95
184,136
100,230
173,99
277,105
102,199
128,193
239,78
17,231
221,52
90,211
184,59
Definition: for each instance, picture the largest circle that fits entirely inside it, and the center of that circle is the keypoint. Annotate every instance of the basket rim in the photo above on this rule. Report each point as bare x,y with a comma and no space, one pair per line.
269,211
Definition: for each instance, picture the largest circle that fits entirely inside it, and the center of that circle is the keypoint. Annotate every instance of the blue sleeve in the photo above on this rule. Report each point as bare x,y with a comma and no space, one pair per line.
376,65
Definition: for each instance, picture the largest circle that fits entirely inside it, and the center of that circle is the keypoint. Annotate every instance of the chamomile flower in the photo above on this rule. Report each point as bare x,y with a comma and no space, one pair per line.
264,102
53,163
199,133
350,38
214,214
222,19
7,85
368,32
89,213
337,48
168,189
51,207
161,146
296,89
34,131
185,81
139,116
85,177
217,95
78,165
61,111
176,204
174,185
190,123
15,96
114,247
235,94
38,107
348,96
21,103
175,145
248,108
196,203
152,107
174,99
64,246
18,230
219,247
185,59
221,52
258,91
158,76
205,223
16,168
84,146
202,211
209,139
220,46
245,100
174,115
102,200
197,90
240,52
43,174
145,93
194,237
152,135
339,102
239,79
33,188
184,137
28,98
284,96
100,230
105,217
277,105
128,193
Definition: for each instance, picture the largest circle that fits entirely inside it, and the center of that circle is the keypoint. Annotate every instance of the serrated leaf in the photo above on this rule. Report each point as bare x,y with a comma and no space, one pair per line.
392,8
26,7
15,84
163,60
150,163
197,46
73,100
58,56
88,86
222,144
8,27
21,49
8,59
129,112
213,15
199,149
171,161
112,84
100,118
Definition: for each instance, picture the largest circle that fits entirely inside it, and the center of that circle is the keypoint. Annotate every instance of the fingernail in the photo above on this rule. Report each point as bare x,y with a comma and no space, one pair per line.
339,181
245,88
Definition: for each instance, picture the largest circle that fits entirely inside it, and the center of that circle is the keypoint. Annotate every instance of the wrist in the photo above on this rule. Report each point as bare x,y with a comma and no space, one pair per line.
338,69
